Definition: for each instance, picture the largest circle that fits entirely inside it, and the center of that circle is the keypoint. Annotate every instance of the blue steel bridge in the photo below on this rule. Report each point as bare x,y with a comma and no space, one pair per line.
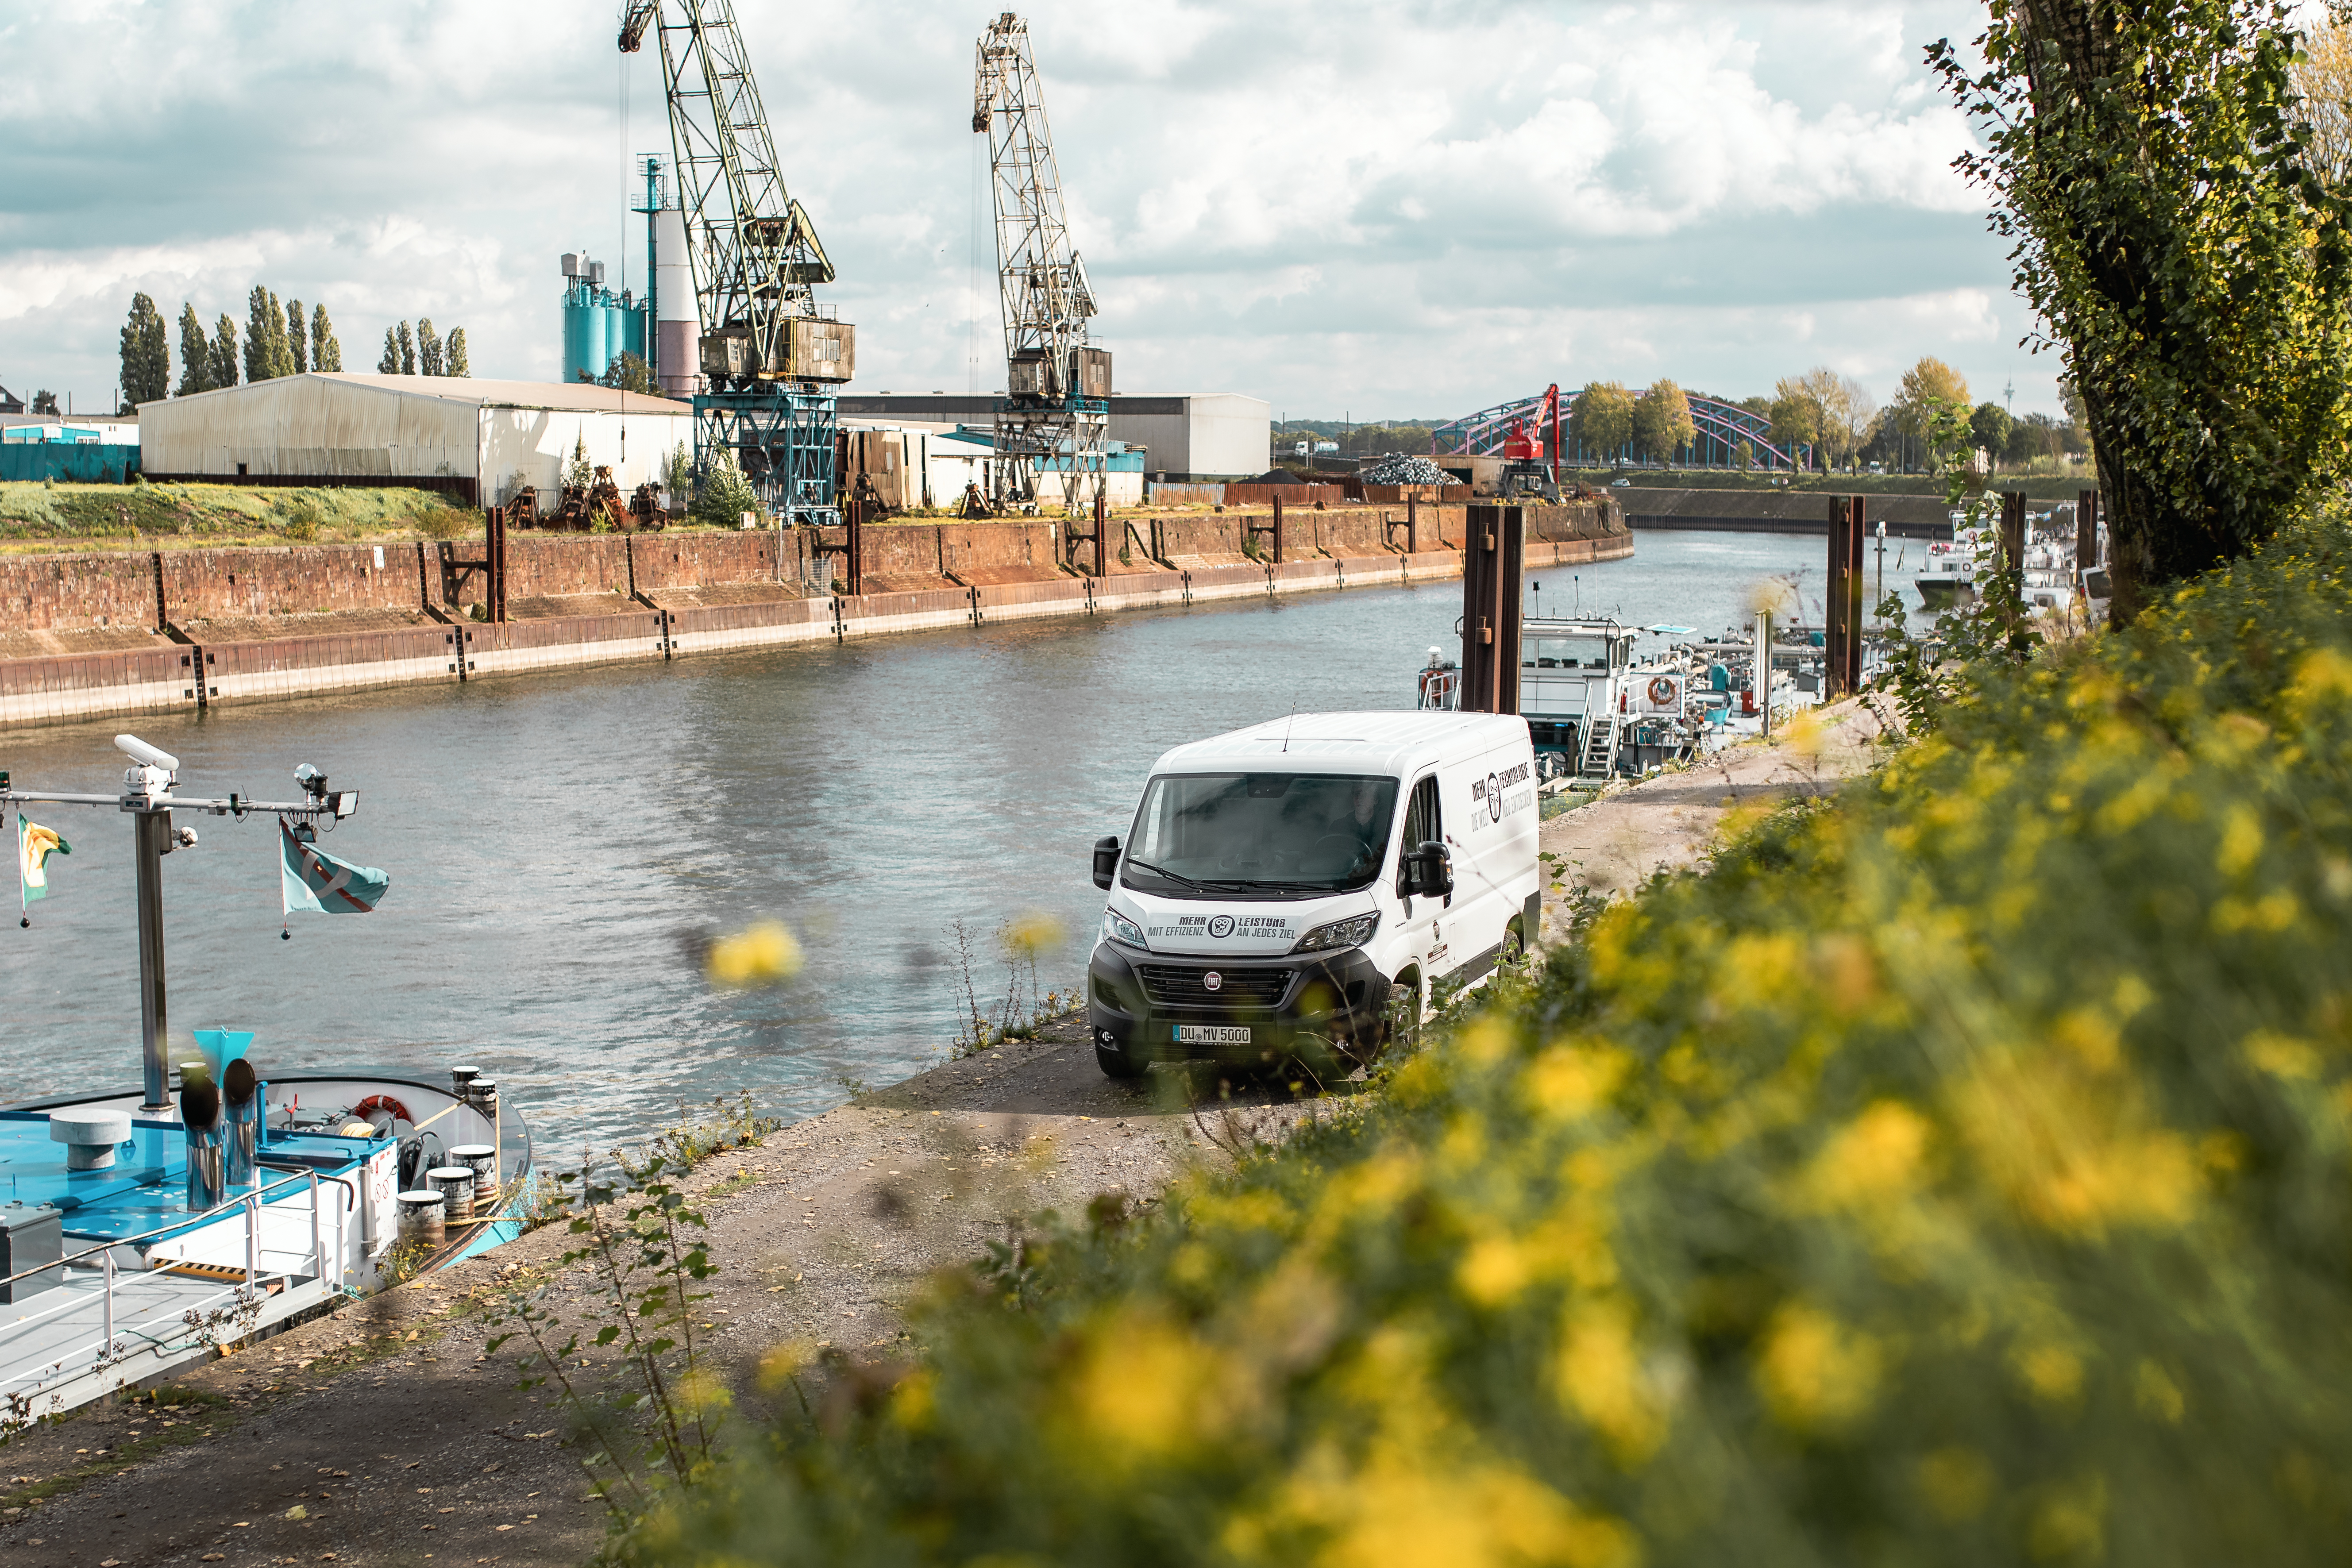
1719,427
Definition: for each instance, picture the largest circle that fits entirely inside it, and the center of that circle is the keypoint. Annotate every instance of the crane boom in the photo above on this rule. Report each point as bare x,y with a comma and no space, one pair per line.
754,252
770,352
1056,408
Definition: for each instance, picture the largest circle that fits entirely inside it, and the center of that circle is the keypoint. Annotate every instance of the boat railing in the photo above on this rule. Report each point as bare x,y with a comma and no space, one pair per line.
249,1203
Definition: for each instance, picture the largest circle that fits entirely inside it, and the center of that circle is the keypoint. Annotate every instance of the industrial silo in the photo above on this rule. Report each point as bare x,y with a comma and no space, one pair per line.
678,329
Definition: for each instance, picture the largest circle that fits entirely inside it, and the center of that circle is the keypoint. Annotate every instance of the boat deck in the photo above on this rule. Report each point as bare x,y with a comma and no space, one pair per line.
146,1284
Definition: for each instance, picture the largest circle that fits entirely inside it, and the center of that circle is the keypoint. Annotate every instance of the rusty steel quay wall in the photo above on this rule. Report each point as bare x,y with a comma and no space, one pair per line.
629,627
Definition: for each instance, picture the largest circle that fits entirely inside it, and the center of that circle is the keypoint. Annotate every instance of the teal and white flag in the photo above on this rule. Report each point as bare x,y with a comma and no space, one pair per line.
316,880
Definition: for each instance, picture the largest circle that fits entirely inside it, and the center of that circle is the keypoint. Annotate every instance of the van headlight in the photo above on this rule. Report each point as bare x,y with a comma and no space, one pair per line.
1118,927
1354,931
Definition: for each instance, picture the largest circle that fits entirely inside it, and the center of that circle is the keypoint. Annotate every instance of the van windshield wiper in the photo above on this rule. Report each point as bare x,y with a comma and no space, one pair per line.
1178,877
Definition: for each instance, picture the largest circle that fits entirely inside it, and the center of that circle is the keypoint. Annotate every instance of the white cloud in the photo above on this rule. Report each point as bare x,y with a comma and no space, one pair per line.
1410,208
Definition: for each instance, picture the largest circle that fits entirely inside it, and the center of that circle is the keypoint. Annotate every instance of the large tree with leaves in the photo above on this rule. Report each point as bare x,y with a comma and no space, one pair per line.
407,345
1604,420
1661,422
2193,267
428,347
455,349
196,352
298,332
146,354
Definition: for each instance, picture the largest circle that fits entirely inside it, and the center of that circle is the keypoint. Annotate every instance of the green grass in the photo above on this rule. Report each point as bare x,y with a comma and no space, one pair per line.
147,517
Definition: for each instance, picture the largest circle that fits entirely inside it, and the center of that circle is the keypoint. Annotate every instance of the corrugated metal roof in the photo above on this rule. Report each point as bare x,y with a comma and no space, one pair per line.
579,398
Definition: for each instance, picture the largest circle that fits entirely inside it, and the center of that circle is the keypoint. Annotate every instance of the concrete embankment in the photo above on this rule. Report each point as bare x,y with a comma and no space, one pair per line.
125,632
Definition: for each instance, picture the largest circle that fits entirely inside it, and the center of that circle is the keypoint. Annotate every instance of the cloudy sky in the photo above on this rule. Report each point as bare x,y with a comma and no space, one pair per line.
1380,211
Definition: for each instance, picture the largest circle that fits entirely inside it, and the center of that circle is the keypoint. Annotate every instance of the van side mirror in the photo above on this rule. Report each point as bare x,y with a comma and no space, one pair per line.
1431,871
1106,861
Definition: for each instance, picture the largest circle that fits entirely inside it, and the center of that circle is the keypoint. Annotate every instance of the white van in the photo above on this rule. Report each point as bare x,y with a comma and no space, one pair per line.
1280,881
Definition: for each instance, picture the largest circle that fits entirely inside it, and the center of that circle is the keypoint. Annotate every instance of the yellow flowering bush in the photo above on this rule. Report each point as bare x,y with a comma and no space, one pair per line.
1954,1173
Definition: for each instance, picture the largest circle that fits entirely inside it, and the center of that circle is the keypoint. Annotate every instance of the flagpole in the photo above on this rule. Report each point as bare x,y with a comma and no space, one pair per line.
24,894
148,797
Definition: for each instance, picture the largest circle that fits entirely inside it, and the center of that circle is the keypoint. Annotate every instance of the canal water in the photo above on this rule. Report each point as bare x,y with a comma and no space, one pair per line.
557,844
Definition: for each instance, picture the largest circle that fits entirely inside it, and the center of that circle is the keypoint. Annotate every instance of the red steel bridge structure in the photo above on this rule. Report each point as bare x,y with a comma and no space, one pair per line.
1718,428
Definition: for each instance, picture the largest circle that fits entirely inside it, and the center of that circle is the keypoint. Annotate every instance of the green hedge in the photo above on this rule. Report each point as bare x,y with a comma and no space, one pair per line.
1954,1175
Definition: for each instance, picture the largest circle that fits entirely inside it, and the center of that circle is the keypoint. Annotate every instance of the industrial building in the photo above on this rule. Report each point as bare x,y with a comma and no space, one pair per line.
1204,436
478,440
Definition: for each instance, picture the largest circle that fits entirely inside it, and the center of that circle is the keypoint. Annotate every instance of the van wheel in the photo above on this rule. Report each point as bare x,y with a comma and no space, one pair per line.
1515,944
1120,1065
1401,1020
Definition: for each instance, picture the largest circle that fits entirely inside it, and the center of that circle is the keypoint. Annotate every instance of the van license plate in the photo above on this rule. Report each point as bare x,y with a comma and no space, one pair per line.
1211,1034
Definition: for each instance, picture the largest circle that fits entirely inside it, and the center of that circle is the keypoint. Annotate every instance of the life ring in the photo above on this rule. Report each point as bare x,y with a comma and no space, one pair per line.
1662,691
383,1103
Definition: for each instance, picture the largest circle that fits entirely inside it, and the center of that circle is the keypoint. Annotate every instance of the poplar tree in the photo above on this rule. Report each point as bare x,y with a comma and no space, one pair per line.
390,363
428,347
455,349
196,352
296,333
408,351
326,354
260,316
146,354
224,351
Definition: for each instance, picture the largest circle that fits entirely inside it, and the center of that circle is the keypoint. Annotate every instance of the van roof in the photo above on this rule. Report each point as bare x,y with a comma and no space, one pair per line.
1373,743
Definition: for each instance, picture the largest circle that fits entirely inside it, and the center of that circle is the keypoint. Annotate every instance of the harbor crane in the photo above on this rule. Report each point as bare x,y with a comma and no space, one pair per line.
1055,412
770,352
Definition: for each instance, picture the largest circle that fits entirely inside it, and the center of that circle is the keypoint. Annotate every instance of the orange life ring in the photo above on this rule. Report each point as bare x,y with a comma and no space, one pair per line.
383,1103
1662,691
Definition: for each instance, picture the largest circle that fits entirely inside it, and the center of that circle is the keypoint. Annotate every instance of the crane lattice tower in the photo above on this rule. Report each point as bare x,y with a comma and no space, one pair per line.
770,352
1057,410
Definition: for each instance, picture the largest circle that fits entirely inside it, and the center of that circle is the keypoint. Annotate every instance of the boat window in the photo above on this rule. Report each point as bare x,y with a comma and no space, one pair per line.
1215,834
1566,653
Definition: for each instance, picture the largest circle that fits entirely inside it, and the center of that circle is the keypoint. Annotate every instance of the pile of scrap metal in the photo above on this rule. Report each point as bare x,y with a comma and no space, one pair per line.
586,508
644,506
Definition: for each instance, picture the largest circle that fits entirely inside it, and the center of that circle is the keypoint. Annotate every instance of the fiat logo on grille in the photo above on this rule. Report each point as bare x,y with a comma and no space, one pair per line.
1214,981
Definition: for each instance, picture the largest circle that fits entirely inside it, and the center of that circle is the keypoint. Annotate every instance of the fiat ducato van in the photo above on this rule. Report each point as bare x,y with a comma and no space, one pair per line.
1297,890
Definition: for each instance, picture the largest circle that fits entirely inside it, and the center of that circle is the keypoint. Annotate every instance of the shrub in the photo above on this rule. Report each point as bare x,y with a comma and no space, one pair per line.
436,519
300,517
723,496
1951,1173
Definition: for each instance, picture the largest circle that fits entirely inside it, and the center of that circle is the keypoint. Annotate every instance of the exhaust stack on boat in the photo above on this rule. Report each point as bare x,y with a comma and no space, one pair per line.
200,1113
241,1108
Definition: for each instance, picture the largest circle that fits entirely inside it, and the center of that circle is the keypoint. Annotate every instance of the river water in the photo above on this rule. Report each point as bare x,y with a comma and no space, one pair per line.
555,842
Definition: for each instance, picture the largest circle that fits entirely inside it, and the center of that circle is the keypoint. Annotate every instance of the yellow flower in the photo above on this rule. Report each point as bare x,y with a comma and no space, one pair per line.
763,954
1815,1373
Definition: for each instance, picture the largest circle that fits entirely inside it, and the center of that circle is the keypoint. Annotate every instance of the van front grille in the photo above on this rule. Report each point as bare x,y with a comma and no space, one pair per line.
1240,986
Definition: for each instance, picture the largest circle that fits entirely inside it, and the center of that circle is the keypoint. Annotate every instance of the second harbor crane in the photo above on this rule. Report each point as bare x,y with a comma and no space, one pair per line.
1055,413
770,354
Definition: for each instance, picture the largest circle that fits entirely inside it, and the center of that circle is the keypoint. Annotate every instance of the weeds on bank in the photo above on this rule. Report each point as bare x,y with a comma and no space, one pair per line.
651,1431
1024,1008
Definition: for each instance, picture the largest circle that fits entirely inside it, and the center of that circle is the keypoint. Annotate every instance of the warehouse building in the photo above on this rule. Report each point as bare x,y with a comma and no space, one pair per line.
1201,436
480,441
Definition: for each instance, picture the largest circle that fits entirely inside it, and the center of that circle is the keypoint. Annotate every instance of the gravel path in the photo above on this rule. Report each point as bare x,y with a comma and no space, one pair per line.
1670,821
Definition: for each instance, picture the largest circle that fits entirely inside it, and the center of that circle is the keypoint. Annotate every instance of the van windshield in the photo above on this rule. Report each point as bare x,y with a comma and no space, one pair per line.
1218,835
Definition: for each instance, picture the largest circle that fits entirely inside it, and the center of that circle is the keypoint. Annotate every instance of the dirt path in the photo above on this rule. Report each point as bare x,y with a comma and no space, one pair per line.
383,1435
1669,822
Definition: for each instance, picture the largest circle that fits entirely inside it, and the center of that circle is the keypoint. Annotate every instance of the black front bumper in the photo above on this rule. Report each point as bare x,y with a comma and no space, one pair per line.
1290,1004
